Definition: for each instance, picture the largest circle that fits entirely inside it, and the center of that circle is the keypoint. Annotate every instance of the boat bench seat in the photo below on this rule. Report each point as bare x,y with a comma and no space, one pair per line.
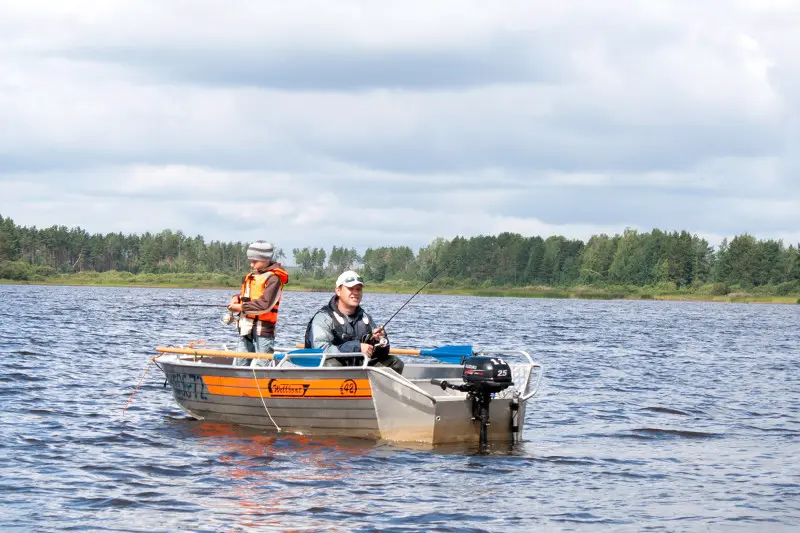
312,357
424,372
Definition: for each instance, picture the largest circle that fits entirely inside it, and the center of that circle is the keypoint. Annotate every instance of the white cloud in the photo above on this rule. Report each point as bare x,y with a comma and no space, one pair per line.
373,123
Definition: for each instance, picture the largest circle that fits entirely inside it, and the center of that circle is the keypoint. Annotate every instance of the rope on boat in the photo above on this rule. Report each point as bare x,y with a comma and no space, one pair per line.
260,395
152,360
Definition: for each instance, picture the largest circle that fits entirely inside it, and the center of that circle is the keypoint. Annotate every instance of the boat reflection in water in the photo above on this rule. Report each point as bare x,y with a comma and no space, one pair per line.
268,477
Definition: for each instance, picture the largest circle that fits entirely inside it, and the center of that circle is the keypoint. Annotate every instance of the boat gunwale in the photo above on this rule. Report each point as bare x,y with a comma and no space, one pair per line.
175,360
523,396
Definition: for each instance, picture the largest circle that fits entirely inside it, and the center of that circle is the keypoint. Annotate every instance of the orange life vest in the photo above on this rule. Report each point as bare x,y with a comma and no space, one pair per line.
253,288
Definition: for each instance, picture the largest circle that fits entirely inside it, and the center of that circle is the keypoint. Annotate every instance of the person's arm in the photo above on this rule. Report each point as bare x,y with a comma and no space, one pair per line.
235,303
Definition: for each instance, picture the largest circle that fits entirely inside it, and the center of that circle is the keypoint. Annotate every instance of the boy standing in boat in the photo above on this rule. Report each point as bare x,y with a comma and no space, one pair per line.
257,303
342,326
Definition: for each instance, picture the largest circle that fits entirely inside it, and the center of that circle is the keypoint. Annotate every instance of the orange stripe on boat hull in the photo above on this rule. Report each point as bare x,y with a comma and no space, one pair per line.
288,388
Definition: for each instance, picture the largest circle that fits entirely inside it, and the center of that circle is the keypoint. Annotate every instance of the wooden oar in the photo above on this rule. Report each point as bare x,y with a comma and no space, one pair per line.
215,353
404,351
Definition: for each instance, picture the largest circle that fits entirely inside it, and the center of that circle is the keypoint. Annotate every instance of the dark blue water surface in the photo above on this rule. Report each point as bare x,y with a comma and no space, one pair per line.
652,416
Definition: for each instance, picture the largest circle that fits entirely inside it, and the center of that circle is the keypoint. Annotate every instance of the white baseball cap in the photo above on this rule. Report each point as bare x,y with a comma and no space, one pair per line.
349,278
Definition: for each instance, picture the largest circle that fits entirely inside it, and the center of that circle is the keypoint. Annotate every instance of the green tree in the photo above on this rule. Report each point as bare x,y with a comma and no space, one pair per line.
318,257
743,261
150,253
793,263
533,266
660,272
9,240
596,258
304,259
342,259
770,263
628,266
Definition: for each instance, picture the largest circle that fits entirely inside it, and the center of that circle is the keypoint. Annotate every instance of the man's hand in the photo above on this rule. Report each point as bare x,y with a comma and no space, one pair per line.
367,349
370,340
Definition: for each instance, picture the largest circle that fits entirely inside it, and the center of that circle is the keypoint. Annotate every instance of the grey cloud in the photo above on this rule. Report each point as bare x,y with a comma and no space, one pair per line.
464,147
507,59
646,207
577,131
554,144
612,205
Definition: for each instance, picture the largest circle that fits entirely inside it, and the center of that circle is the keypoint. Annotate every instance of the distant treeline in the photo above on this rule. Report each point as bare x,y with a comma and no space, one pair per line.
59,250
506,260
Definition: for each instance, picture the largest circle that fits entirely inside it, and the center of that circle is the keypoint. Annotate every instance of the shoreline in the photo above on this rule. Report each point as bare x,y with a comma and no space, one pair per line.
546,293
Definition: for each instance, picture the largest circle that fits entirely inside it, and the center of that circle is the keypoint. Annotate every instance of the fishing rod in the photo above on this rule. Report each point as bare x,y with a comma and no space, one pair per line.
226,319
412,297
180,305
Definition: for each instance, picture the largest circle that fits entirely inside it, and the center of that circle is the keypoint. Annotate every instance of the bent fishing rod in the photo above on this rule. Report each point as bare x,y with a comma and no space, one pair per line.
180,305
412,297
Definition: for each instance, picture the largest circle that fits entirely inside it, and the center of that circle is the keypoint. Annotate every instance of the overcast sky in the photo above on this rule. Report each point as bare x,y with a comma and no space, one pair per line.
366,123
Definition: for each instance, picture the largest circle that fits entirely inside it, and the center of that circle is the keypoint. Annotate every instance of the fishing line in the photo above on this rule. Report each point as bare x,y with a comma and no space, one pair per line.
261,395
179,305
128,403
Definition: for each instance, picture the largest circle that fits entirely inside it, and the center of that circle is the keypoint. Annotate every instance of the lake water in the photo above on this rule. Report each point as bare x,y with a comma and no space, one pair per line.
653,416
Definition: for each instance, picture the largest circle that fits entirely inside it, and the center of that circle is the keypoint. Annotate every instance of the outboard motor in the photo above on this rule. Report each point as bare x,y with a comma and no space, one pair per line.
483,376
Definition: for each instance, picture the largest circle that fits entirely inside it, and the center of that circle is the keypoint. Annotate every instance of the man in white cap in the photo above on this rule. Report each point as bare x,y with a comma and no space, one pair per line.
258,302
342,326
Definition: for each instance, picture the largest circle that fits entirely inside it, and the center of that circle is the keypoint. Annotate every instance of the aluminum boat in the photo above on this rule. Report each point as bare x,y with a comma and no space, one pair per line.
450,394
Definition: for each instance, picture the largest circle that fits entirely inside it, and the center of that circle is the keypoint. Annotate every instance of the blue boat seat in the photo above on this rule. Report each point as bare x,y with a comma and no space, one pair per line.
312,357
307,357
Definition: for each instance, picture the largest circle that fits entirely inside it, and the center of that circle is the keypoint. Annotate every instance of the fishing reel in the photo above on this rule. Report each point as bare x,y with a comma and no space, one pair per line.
367,338
381,345
483,377
383,342
227,318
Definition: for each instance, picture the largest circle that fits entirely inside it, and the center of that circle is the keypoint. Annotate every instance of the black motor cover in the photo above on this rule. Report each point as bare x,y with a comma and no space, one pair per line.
490,372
